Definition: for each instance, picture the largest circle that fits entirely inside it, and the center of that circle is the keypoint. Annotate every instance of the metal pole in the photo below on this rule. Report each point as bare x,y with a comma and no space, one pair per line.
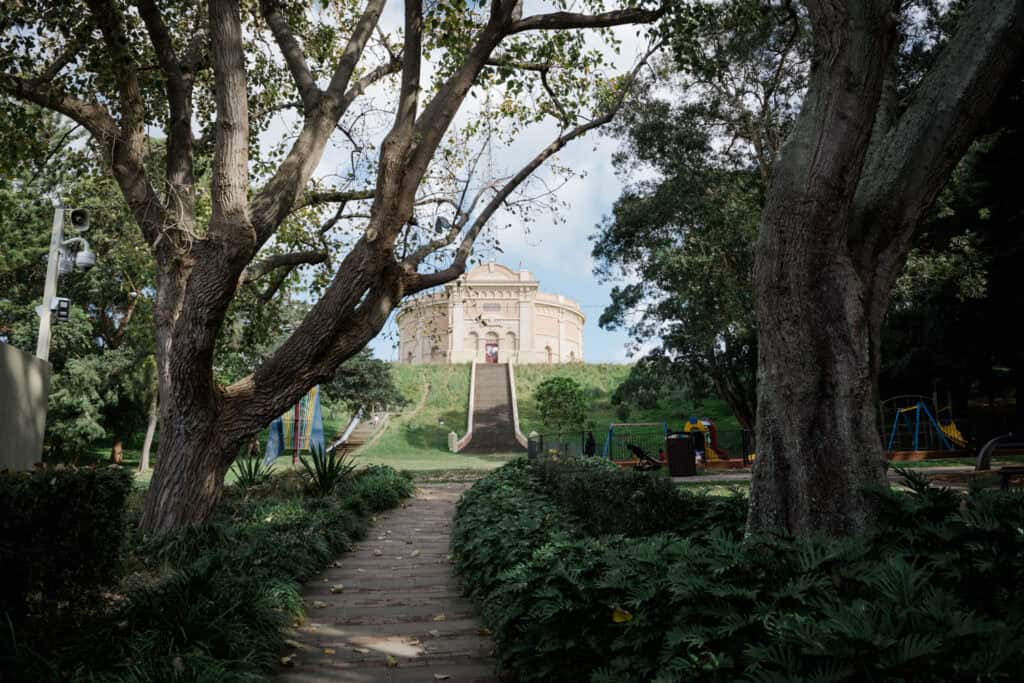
50,289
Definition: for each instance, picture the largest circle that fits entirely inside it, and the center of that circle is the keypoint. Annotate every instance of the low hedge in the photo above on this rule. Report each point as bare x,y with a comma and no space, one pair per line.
930,597
209,602
61,532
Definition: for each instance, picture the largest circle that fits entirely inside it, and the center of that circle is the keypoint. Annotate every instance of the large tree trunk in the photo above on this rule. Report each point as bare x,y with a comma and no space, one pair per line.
851,184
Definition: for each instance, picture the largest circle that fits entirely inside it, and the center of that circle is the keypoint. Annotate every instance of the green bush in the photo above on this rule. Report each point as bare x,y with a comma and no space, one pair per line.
208,602
379,487
929,597
61,532
610,500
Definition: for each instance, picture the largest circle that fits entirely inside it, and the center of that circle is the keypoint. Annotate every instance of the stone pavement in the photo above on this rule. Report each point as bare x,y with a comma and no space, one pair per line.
392,610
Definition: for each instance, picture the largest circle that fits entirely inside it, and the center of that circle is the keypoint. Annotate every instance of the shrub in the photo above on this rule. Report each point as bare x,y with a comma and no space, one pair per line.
609,500
379,487
565,604
61,532
208,602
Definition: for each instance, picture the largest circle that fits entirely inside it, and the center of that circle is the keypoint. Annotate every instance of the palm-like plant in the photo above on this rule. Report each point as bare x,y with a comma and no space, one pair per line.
250,472
325,472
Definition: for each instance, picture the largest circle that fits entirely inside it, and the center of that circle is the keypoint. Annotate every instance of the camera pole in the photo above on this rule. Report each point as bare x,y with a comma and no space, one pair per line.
50,288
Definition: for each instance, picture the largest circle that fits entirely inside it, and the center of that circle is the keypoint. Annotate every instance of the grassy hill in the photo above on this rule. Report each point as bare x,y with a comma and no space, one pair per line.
414,440
599,381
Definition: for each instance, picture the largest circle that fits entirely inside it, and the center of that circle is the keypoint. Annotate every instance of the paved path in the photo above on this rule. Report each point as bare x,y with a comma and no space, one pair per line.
392,610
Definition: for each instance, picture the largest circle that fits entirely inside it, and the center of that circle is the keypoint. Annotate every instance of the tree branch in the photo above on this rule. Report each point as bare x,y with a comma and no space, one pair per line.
275,200
568,20
180,181
416,282
314,197
293,55
230,182
260,268
917,154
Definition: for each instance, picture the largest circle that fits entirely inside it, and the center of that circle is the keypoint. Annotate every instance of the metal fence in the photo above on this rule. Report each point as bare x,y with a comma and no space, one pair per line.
615,444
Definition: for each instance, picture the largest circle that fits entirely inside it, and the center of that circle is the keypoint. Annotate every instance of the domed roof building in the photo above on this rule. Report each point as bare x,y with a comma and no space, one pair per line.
492,314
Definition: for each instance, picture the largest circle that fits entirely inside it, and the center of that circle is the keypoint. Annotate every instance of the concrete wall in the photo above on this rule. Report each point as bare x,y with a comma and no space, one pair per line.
24,386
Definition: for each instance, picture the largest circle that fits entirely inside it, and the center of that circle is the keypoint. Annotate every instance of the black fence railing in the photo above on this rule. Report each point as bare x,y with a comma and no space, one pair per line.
618,444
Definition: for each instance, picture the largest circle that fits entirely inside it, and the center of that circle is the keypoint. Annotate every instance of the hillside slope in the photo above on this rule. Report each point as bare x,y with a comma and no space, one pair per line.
414,439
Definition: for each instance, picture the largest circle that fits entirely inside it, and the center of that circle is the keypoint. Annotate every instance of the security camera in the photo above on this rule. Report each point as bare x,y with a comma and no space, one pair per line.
79,220
85,259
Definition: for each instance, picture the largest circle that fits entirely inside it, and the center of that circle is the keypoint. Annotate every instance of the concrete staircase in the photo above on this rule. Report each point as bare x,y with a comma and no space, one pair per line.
493,430
363,432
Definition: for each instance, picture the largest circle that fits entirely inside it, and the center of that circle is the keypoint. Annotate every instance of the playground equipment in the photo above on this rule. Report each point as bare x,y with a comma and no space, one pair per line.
648,435
711,450
912,423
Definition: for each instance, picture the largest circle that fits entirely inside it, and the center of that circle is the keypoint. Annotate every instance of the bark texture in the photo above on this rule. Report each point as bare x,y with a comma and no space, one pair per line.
851,184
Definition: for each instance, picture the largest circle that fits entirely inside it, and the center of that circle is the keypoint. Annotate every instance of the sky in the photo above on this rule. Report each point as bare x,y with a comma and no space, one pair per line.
558,255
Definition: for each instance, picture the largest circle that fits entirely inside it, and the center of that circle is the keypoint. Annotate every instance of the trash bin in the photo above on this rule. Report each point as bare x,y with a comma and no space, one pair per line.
679,450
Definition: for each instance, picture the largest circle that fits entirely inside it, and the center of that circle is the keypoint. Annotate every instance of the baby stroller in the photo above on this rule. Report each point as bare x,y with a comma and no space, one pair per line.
644,460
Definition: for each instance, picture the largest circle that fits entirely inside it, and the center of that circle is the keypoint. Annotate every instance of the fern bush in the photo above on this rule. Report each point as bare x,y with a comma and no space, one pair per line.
930,596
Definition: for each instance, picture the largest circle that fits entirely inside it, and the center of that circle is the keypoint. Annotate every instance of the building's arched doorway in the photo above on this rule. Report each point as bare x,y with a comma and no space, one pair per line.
491,348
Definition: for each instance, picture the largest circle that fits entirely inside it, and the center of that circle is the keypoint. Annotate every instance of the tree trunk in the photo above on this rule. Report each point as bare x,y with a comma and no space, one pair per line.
147,443
818,443
850,186
117,451
189,478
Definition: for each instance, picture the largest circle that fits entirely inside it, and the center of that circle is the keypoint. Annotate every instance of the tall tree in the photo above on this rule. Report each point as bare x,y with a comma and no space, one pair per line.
682,233
863,164
117,69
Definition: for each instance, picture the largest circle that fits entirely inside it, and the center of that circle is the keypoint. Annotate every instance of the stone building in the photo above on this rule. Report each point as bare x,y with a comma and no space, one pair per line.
491,314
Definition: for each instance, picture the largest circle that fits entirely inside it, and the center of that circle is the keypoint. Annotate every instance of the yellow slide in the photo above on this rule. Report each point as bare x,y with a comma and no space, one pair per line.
952,433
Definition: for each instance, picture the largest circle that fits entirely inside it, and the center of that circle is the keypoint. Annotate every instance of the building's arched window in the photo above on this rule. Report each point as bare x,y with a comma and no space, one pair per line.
408,358
435,354
547,351
572,356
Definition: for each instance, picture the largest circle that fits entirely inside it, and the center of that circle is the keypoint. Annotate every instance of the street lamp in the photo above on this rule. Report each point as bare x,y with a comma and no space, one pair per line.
61,261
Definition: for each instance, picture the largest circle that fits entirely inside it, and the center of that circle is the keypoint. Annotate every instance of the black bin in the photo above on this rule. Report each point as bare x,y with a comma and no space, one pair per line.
681,461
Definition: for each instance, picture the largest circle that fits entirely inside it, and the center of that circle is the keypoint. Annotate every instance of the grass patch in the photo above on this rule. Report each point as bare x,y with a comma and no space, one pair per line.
599,381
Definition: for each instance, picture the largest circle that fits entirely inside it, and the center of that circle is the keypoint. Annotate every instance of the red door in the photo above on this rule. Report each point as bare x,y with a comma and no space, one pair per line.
491,353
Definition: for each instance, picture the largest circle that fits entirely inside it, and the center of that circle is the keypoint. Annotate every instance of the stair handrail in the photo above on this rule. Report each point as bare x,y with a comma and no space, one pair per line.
352,424
515,406
464,441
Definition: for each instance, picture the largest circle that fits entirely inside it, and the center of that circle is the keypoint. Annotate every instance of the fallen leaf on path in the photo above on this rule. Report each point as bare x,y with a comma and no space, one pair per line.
328,650
414,553
378,552
361,650
338,588
484,631
288,660
392,662
294,643
319,604
434,632
440,677
440,617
